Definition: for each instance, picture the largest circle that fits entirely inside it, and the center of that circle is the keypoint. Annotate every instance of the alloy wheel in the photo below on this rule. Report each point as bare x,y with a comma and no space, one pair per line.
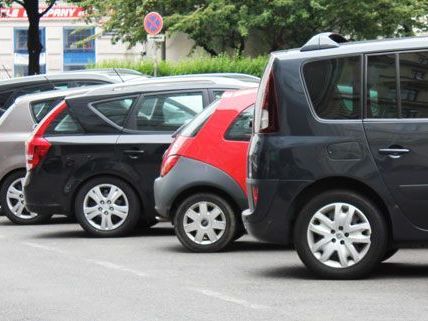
15,200
204,223
339,235
105,207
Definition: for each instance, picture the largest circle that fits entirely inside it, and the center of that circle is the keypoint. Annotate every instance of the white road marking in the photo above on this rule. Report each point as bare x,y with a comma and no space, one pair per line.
231,299
44,247
117,267
105,264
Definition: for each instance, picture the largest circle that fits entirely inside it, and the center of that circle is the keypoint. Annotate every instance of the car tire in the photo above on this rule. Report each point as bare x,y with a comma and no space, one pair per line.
203,236
389,254
340,235
107,207
12,200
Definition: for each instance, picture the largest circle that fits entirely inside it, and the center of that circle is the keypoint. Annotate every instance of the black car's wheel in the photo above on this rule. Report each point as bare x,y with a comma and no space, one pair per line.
13,204
205,222
389,254
107,207
340,235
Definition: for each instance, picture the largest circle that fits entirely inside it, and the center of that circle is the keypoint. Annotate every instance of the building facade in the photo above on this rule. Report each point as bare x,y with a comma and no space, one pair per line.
69,43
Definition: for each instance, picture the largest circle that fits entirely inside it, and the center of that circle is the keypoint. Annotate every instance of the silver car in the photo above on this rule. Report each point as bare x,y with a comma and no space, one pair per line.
16,125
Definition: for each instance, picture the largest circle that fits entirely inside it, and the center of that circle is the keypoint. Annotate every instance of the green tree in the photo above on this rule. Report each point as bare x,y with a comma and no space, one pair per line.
34,13
225,25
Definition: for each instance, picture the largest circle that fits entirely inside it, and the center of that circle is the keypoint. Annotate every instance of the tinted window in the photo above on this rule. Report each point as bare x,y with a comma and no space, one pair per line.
382,87
414,84
167,112
195,125
4,97
64,124
334,87
241,128
115,110
41,108
218,93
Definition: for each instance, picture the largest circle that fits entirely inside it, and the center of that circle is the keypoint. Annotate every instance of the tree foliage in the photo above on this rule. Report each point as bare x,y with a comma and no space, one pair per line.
34,13
225,25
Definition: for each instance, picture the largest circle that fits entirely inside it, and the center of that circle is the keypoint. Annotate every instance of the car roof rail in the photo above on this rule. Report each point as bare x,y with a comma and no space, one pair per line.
324,40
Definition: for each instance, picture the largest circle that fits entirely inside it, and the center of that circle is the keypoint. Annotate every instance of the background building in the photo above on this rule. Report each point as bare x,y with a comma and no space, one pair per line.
62,30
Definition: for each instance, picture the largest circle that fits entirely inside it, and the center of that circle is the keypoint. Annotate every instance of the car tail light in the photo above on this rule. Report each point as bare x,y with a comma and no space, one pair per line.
168,163
37,146
266,115
255,195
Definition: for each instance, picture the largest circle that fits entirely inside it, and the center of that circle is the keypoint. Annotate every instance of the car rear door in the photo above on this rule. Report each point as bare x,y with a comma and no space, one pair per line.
149,131
396,127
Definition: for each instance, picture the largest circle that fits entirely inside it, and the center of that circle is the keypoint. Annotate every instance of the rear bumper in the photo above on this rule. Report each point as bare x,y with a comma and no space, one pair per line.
271,219
44,197
190,174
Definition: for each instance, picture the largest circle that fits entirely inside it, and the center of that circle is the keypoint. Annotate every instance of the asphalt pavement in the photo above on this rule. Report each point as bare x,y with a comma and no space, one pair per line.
57,272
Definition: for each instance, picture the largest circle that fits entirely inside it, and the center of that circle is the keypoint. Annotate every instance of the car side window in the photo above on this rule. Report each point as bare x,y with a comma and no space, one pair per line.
381,87
218,93
116,110
65,123
41,108
241,128
4,98
167,112
414,84
334,87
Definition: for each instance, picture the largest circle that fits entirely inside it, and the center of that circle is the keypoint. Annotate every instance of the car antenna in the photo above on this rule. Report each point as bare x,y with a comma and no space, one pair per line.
7,72
118,74
49,81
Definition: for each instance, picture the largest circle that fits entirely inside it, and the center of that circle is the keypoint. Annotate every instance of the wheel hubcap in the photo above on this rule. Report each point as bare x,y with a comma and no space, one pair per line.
339,235
204,223
106,207
15,200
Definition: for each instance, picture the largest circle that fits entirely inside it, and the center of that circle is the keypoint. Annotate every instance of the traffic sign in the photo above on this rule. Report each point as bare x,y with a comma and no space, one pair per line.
156,38
153,23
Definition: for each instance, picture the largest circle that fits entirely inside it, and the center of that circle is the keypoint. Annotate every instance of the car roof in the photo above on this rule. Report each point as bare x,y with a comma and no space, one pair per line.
168,84
354,47
237,100
53,94
107,75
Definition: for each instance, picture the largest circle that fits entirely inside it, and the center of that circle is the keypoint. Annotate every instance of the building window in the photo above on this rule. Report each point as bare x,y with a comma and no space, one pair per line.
79,47
21,51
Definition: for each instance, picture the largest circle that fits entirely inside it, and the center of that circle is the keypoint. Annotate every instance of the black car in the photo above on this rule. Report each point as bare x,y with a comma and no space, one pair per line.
97,155
338,164
13,88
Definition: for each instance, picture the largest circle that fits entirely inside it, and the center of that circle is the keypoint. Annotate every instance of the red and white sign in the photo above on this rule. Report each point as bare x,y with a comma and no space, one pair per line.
153,23
56,12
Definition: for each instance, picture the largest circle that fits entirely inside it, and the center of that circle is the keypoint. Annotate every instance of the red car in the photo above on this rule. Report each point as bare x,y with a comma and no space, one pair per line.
202,187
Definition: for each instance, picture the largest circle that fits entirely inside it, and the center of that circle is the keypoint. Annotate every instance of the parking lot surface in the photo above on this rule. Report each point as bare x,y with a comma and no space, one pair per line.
57,272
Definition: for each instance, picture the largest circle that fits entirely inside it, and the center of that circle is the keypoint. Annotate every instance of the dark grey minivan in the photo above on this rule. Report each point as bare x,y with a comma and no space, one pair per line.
338,164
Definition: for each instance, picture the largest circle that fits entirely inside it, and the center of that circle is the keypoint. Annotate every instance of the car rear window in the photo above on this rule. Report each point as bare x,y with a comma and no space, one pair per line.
334,87
195,125
40,109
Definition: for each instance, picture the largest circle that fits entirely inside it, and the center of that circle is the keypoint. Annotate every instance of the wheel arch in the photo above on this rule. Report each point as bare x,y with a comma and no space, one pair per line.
338,182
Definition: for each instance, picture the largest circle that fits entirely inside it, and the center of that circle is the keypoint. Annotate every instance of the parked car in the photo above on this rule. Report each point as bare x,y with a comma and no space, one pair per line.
338,165
97,155
202,183
16,126
13,88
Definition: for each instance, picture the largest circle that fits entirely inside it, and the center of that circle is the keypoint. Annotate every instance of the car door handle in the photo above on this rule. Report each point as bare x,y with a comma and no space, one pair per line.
134,153
394,152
